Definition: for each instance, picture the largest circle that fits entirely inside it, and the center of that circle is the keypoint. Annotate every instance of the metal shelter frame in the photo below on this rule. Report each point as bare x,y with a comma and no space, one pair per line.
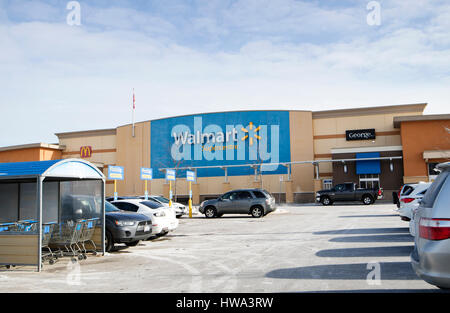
57,170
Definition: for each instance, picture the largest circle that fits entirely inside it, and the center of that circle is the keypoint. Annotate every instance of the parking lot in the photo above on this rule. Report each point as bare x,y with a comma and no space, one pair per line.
295,249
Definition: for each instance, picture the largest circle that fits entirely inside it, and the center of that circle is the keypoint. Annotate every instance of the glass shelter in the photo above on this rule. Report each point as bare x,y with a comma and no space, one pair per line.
38,198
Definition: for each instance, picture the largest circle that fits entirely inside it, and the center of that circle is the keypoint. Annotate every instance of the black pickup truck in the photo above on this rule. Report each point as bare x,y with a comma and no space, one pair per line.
348,192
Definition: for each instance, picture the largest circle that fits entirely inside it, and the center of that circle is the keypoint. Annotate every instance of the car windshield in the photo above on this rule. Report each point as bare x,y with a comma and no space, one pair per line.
151,204
110,208
162,199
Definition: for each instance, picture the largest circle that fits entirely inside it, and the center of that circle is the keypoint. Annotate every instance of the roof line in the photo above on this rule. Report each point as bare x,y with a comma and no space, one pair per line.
420,118
31,146
87,133
418,107
401,108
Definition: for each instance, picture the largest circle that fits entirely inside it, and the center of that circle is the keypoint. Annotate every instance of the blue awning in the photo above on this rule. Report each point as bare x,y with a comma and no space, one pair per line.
69,168
368,167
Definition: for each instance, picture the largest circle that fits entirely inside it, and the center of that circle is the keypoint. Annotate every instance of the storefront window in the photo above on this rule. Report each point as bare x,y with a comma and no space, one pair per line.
369,181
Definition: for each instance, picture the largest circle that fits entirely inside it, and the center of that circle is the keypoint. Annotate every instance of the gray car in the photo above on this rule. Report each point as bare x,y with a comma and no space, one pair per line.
431,256
255,202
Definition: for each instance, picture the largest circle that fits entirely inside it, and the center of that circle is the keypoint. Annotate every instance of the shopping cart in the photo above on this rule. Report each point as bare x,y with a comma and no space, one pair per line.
47,233
86,236
26,226
65,238
8,227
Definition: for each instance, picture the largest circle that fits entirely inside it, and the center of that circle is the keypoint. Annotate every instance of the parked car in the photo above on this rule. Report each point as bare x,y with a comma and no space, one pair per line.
431,256
111,199
179,208
163,218
125,227
255,202
348,192
410,199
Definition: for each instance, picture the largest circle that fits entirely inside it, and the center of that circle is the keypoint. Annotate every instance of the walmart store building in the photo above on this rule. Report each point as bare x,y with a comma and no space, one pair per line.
303,151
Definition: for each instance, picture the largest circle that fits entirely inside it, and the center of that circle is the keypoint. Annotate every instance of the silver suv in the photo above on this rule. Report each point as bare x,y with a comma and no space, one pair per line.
255,202
431,256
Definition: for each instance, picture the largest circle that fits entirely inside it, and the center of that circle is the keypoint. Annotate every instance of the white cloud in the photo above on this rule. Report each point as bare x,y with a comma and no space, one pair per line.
58,78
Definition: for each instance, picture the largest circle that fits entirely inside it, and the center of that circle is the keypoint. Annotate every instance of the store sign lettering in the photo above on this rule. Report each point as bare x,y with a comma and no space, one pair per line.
216,143
360,134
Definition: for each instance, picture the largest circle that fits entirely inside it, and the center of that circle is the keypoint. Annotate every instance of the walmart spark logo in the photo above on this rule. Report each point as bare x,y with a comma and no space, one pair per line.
251,133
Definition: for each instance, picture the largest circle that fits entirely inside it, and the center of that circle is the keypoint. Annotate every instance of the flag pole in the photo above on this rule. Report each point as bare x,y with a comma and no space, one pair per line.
134,109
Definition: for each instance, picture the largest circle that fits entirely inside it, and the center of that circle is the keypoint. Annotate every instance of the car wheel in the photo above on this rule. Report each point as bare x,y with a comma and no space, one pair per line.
132,244
326,201
210,212
367,200
257,212
109,242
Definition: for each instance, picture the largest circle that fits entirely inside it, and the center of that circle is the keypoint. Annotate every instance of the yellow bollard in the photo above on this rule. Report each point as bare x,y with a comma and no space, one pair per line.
190,199
170,191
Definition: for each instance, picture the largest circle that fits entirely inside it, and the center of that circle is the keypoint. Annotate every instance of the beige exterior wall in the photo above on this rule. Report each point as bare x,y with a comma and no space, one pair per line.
335,128
133,153
103,144
302,149
313,135
329,133
215,185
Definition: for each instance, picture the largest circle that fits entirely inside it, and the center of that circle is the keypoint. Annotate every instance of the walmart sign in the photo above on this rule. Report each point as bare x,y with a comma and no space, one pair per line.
217,139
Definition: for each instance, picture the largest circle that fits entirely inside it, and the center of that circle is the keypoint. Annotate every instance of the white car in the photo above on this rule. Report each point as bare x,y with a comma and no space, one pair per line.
410,199
179,208
163,218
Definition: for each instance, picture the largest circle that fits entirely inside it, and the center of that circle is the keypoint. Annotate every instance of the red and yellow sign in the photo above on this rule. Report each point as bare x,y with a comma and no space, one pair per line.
86,152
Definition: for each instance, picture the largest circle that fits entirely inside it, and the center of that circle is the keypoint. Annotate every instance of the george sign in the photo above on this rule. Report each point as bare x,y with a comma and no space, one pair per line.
116,173
360,134
86,152
171,175
190,176
146,173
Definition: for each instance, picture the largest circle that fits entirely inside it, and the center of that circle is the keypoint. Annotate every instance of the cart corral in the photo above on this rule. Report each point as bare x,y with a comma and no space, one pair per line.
49,210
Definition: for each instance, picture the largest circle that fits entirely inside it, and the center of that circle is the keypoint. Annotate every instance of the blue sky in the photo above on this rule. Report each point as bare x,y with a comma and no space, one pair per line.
193,56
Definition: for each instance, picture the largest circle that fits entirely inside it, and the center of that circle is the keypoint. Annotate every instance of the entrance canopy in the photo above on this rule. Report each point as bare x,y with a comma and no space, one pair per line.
369,166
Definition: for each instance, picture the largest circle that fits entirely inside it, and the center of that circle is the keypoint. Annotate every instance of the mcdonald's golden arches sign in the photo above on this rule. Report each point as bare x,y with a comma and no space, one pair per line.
85,152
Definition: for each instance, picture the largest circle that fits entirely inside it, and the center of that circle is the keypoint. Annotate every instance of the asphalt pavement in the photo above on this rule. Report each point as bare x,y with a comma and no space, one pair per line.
307,248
